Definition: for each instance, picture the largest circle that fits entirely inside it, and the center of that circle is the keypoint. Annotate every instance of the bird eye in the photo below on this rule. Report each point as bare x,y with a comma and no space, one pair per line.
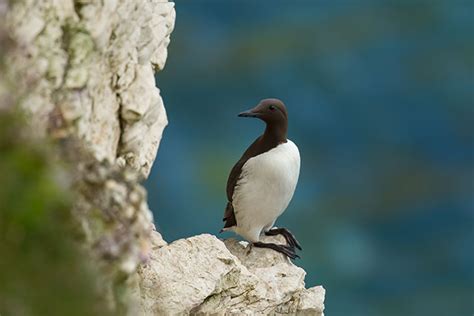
272,108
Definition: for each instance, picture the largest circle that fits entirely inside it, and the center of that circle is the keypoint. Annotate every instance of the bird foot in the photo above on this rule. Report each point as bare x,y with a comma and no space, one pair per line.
284,249
289,237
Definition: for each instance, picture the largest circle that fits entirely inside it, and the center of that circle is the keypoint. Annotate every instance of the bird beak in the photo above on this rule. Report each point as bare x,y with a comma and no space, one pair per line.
249,113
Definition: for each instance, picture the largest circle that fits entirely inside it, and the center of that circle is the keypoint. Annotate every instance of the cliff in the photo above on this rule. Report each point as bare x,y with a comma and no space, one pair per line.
83,73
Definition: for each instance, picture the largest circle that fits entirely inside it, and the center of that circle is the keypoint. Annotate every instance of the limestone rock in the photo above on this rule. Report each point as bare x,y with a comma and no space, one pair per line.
85,72
92,63
203,275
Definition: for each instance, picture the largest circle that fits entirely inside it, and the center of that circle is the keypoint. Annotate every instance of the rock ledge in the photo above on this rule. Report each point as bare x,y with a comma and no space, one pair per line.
204,275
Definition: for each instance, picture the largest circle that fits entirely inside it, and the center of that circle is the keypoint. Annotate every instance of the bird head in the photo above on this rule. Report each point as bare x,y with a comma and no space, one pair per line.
271,111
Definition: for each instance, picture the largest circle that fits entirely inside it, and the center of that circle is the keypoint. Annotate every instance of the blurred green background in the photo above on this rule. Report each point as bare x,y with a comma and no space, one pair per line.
381,103
43,270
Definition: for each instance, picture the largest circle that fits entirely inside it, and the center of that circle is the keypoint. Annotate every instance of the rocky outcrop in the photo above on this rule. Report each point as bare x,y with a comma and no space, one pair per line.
224,278
85,73
92,64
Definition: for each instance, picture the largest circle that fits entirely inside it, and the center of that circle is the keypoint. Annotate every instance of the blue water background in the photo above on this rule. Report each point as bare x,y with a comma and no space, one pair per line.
380,97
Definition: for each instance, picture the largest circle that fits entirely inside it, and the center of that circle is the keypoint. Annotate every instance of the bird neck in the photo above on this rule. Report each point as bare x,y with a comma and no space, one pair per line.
276,133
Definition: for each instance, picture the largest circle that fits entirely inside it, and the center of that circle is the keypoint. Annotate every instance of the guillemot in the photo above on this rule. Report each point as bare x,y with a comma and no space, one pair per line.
261,184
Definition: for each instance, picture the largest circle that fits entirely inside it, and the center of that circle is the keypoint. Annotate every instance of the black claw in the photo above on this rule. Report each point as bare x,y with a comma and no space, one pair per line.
293,253
284,249
289,237
291,242
290,252
297,244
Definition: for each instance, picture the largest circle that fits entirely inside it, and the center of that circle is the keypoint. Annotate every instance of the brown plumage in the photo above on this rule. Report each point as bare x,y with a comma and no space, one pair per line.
259,218
275,134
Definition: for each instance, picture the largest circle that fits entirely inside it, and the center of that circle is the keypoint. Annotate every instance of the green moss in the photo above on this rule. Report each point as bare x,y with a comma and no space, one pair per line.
79,45
42,270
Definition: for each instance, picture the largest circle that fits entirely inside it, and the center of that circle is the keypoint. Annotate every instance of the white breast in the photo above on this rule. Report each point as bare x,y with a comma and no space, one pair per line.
265,188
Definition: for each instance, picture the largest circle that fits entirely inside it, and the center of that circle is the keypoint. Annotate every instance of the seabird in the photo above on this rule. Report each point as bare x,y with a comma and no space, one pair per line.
261,184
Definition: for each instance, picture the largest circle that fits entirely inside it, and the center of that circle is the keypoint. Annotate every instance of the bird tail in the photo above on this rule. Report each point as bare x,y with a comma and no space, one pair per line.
229,217
225,229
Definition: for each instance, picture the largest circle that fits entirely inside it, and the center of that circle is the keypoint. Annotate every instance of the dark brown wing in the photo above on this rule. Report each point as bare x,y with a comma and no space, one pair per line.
234,176
229,216
259,146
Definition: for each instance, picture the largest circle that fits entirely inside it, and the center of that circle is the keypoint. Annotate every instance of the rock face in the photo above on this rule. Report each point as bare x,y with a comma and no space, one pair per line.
85,72
92,64
224,278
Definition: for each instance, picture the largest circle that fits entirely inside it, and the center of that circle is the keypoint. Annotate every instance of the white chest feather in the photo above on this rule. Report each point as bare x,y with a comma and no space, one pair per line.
265,188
